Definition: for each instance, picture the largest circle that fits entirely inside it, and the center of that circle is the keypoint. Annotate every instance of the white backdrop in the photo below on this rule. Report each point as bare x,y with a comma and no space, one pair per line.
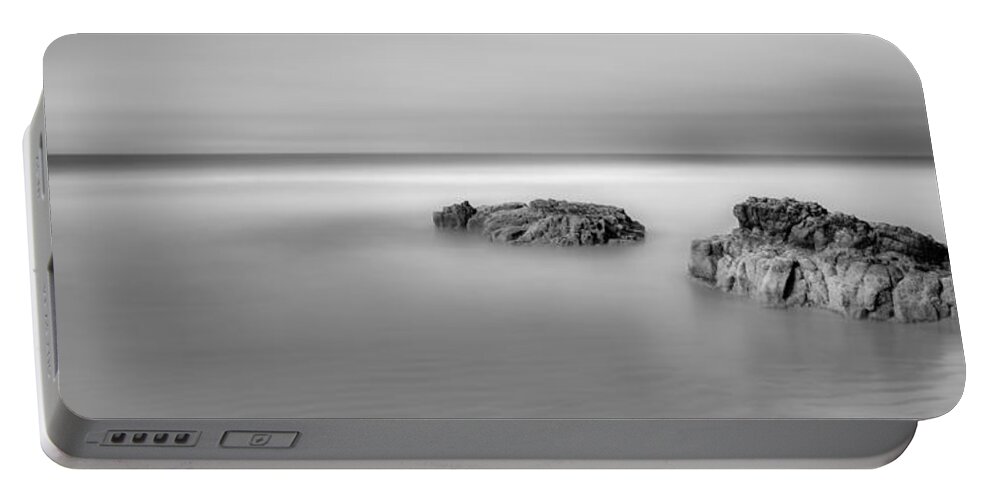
948,42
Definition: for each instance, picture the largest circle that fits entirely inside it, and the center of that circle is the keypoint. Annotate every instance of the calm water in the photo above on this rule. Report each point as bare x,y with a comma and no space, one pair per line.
318,287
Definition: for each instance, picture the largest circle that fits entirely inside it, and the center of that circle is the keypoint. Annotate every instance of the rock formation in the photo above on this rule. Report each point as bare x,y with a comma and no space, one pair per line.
543,222
788,253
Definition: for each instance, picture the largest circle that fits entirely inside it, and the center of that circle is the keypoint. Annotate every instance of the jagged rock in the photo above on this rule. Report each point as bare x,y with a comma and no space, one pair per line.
543,222
454,216
787,253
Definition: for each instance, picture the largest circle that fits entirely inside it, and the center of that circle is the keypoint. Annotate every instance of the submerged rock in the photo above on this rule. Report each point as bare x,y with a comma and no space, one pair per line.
543,222
788,253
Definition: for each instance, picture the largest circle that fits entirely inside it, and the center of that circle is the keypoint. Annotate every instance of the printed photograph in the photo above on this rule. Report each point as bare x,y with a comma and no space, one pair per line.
497,226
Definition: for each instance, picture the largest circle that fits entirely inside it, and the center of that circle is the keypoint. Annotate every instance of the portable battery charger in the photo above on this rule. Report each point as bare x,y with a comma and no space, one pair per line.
486,251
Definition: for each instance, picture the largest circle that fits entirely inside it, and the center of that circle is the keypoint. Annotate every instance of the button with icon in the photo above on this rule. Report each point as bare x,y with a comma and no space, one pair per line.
258,439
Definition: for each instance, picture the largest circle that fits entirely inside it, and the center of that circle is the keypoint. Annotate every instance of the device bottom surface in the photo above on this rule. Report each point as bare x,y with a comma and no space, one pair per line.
443,443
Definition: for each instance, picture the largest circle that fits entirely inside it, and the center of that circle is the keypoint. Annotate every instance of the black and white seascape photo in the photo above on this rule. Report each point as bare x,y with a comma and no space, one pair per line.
497,226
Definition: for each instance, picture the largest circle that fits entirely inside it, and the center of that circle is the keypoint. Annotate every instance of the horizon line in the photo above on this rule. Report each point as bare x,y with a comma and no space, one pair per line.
500,154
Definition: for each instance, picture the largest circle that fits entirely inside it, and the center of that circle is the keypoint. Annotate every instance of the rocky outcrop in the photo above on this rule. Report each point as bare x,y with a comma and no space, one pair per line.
454,216
543,222
788,253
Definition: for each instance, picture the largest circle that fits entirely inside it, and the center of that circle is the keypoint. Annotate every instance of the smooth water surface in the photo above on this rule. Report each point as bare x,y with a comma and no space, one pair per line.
288,287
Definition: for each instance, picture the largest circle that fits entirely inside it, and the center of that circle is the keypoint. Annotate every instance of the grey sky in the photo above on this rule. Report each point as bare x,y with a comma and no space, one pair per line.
649,94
